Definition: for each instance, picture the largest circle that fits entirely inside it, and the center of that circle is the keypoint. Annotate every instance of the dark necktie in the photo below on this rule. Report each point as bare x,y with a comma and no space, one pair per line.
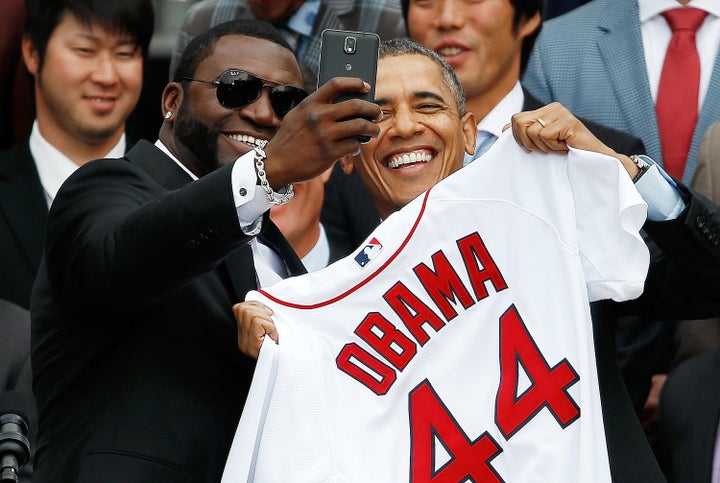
677,100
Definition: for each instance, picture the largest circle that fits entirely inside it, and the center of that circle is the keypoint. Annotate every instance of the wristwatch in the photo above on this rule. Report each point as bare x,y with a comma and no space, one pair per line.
643,163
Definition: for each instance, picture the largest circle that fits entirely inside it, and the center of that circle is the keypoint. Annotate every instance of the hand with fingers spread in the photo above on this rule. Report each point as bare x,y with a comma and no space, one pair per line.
254,322
552,128
318,132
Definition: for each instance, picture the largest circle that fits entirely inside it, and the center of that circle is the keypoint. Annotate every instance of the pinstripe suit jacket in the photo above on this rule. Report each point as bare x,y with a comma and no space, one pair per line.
383,17
592,60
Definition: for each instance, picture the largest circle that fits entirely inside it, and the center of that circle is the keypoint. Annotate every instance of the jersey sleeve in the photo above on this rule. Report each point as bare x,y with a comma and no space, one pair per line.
609,215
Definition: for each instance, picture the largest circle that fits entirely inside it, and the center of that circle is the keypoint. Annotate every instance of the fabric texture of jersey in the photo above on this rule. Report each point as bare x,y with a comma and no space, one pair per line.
456,343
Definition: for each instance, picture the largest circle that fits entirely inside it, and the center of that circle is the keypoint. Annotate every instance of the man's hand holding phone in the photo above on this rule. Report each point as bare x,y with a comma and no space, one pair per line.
346,53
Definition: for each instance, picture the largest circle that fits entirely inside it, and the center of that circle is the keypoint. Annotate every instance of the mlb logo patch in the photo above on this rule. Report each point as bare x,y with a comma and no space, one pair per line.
369,252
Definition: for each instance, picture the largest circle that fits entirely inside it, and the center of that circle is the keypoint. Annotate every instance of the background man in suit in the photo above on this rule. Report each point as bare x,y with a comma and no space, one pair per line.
408,123
87,61
135,366
605,62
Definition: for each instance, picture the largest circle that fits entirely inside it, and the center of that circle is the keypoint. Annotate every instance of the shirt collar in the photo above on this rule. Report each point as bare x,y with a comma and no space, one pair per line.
165,150
53,166
501,114
651,8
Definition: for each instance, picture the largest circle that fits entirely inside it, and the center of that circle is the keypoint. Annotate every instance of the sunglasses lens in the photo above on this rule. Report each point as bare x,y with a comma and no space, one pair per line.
237,89
285,97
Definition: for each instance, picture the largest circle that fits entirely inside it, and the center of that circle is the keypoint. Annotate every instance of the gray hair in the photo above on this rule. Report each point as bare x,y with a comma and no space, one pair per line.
398,47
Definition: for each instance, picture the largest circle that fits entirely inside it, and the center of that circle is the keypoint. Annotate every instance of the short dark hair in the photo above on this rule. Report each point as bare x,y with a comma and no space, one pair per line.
397,47
202,46
523,9
132,17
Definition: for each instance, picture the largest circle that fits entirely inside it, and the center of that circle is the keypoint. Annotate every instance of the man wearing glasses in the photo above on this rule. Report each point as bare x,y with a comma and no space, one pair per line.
137,373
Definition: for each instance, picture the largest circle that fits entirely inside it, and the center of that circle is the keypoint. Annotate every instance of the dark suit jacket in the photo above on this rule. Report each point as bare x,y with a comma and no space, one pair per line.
135,361
23,212
688,418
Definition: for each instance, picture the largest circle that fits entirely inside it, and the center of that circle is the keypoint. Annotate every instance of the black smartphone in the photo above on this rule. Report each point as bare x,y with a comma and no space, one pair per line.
345,53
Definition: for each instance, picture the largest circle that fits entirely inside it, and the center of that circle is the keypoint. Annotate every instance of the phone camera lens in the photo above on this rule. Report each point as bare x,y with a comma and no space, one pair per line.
350,45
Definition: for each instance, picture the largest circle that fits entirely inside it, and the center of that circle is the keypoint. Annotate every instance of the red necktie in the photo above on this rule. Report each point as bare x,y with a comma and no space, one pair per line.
677,100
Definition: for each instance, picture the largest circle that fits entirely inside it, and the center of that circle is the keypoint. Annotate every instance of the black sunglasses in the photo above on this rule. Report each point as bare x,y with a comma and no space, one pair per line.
237,89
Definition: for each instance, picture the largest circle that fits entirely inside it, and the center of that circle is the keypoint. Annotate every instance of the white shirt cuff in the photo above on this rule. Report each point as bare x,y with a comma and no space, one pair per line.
250,202
661,195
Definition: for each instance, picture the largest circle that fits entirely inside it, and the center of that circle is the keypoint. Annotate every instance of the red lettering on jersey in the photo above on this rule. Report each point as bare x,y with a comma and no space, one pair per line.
443,285
548,385
387,340
480,265
382,376
412,311
430,419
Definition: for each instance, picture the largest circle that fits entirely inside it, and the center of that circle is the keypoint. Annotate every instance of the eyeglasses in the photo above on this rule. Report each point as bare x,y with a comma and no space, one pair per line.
237,89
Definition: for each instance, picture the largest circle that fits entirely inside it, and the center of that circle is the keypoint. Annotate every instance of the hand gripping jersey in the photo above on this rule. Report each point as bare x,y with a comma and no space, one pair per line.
456,344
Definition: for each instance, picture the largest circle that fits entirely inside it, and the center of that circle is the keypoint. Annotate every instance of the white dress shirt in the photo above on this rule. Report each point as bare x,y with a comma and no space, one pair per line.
53,166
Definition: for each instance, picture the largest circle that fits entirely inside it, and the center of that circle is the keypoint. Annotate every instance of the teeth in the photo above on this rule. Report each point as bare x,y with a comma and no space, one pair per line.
409,158
450,51
251,140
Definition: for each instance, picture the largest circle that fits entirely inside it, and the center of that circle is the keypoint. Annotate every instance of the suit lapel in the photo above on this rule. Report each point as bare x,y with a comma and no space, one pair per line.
623,55
22,202
158,165
240,264
275,239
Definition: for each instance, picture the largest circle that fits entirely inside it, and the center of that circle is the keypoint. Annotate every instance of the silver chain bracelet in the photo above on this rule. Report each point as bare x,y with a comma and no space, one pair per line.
273,197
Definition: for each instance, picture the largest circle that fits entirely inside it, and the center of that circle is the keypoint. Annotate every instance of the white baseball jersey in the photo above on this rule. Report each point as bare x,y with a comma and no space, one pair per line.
455,345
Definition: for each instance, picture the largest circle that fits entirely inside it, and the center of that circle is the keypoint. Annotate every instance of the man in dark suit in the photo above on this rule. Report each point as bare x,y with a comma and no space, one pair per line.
135,364
87,61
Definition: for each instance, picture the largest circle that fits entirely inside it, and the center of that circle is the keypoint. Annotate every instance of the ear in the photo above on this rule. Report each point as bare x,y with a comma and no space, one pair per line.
31,56
469,129
347,163
172,99
529,25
